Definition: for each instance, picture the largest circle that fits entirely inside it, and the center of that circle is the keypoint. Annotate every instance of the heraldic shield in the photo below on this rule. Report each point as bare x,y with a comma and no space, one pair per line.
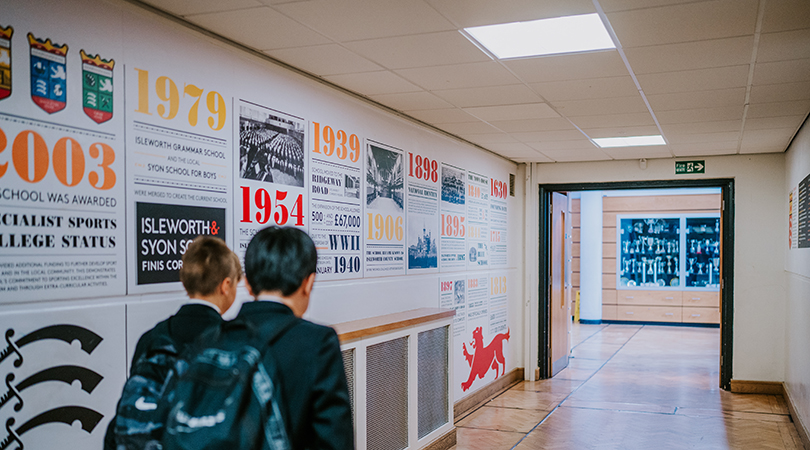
48,74
97,87
5,61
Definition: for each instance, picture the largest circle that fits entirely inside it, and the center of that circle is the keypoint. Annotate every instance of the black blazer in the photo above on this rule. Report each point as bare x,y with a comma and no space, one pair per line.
314,395
184,327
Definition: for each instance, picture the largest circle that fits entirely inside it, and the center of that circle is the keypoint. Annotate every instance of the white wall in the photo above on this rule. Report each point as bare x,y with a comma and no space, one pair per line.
759,288
797,274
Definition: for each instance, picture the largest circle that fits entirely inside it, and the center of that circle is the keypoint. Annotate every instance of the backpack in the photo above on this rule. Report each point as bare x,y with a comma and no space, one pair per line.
226,395
140,420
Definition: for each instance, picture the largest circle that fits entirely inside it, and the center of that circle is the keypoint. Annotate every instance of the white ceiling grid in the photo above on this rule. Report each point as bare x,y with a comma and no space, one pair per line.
719,76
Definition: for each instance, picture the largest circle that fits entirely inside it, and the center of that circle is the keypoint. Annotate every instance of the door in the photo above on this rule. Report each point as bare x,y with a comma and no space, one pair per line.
560,284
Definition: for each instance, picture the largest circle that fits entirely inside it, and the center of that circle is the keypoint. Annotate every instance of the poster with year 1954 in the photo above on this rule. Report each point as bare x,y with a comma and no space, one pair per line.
385,211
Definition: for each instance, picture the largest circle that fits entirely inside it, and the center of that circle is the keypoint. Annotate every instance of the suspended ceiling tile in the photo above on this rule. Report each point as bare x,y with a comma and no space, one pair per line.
767,123
697,99
366,19
185,7
786,15
330,59
410,101
470,13
515,149
691,55
486,139
601,64
792,71
685,22
626,5
618,105
489,96
708,149
694,80
647,130
459,76
782,92
470,128
420,50
784,46
613,120
374,83
702,127
511,126
261,28
778,109
579,144
700,115
775,136
440,116
586,89
749,149
657,151
509,112
696,138
548,136
577,155
540,158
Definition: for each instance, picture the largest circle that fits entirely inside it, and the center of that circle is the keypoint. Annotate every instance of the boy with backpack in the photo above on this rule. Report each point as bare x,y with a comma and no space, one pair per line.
209,275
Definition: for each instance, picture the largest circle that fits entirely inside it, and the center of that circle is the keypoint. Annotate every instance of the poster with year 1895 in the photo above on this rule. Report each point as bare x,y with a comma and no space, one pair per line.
385,211
271,167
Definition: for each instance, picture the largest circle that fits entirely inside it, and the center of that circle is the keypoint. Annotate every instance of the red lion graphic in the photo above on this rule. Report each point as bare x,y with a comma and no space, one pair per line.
484,358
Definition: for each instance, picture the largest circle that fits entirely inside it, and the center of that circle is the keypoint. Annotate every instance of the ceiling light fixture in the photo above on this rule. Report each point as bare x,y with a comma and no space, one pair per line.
569,34
630,141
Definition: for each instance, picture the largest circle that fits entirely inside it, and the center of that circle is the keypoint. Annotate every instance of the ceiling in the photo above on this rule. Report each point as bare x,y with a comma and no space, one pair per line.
714,77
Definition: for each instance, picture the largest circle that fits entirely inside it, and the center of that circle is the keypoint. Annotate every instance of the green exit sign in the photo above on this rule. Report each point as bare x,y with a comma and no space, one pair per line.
683,167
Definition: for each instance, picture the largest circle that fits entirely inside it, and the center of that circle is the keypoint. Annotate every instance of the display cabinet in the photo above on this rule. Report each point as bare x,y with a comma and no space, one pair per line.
674,252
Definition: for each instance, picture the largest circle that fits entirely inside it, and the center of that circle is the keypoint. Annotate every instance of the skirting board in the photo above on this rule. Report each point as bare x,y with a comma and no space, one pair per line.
484,394
757,387
801,426
443,443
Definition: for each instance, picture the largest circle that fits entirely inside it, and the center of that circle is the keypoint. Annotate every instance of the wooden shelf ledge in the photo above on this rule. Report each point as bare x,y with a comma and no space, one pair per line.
356,329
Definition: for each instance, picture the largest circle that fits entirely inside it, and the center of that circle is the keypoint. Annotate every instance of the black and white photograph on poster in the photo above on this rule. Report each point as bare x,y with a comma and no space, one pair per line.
385,252
336,219
422,252
269,171
271,146
163,234
478,238
453,228
62,208
452,295
497,223
63,371
423,224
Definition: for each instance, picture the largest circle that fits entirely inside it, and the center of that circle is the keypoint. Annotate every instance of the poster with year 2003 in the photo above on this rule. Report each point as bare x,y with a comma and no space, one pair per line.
179,168
452,250
270,172
336,198
62,227
385,211
423,214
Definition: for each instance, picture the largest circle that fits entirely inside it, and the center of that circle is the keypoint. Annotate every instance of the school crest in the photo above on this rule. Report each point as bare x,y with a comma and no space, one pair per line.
5,61
97,87
48,74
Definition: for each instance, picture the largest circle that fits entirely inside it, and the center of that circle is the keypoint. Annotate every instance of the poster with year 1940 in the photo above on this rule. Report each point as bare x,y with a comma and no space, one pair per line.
385,211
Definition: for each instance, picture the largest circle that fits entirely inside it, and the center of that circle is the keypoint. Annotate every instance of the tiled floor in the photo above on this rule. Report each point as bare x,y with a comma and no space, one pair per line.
631,387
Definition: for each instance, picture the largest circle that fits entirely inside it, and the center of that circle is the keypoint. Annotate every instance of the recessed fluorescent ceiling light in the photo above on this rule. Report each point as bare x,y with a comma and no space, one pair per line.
544,37
630,141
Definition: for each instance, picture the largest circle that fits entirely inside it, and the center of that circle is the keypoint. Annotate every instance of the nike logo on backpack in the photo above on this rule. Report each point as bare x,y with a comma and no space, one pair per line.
143,405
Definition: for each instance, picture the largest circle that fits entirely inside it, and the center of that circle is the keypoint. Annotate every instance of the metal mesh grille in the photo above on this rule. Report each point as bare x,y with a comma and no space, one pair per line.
432,376
511,185
348,367
387,395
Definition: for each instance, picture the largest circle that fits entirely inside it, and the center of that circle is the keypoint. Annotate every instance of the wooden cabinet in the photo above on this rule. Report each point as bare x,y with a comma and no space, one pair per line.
642,313
703,299
701,315
661,306
649,298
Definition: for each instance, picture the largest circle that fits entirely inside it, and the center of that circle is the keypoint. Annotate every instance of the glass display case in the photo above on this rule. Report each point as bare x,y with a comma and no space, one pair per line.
674,252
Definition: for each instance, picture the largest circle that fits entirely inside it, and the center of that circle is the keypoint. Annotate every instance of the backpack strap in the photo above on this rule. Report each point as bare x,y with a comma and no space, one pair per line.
278,332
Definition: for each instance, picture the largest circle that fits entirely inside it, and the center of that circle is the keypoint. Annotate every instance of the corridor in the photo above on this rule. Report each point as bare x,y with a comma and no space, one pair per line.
631,387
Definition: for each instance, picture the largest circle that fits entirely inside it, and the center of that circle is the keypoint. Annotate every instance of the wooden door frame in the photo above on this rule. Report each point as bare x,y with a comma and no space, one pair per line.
727,304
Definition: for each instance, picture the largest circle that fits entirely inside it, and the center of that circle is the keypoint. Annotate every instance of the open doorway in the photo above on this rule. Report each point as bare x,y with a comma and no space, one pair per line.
652,248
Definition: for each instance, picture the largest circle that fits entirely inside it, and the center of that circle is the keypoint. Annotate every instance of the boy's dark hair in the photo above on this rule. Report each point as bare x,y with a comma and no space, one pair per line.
207,262
279,259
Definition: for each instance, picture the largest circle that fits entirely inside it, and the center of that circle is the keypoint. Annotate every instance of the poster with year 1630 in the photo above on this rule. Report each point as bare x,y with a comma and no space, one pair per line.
61,167
497,223
178,169
385,211
335,199
271,169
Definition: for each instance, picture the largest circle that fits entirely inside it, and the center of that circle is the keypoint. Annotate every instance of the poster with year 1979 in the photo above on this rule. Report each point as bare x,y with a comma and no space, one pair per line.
271,168
385,211
336,201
